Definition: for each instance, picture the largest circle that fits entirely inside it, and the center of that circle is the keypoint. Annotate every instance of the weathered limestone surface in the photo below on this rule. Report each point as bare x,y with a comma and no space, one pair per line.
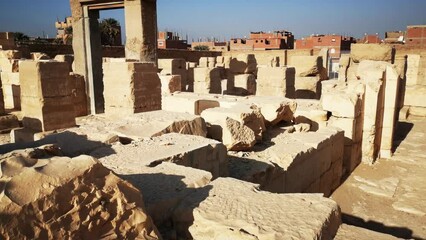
375,52
68,58
307,66
208,80
308,87
412,74
349,232
414,96
368,69
276,81
131,87
233,209
41,200
186,150
9,70
238,128
46,95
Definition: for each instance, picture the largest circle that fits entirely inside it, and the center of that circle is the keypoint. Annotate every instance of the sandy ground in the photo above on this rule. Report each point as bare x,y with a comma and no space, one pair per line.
390,196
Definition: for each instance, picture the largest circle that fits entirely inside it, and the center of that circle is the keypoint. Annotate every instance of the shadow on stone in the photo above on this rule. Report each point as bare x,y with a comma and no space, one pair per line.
70,143
403,128
399,232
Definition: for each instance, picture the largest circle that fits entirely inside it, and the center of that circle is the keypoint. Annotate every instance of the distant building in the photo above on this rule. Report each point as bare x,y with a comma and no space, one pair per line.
395,37
335,43
167,40
212,45
264,41
61,28
416,36
374,38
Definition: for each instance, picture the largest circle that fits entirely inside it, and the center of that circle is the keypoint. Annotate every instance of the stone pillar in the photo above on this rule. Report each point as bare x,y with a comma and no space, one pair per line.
131,87
88,53
141,30
2,111
46,95
390,109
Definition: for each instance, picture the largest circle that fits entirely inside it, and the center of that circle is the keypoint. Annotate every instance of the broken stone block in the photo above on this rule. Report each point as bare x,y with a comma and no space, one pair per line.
46,95
246,115
39,56
170,83
185,150
8,122
245,84
243,63
223,210
39,198
274,109
375,52
131,87
277,81
174,66
164,187
208,80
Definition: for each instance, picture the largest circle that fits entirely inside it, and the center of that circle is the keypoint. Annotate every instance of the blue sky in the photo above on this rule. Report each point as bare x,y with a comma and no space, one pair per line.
236,18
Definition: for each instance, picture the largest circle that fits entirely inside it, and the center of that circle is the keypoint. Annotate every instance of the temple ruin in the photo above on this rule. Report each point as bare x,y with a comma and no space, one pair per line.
236,145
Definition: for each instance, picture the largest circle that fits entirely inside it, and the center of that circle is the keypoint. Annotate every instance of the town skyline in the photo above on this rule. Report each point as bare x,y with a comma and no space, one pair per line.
224,20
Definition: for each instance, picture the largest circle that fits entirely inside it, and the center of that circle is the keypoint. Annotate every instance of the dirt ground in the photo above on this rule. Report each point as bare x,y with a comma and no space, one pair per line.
390,195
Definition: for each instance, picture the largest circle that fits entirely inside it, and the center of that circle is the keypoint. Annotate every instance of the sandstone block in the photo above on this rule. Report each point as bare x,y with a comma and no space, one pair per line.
208,80
307,66
375,52
341,103
373,70
349,232
68,58
10,78
131,87
243,63
310,111
246,115
170,83
274,109
308,87
39,199
414,96
214,218
12,96
46,95
175,66
245,84
278,81
79,94
343,67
